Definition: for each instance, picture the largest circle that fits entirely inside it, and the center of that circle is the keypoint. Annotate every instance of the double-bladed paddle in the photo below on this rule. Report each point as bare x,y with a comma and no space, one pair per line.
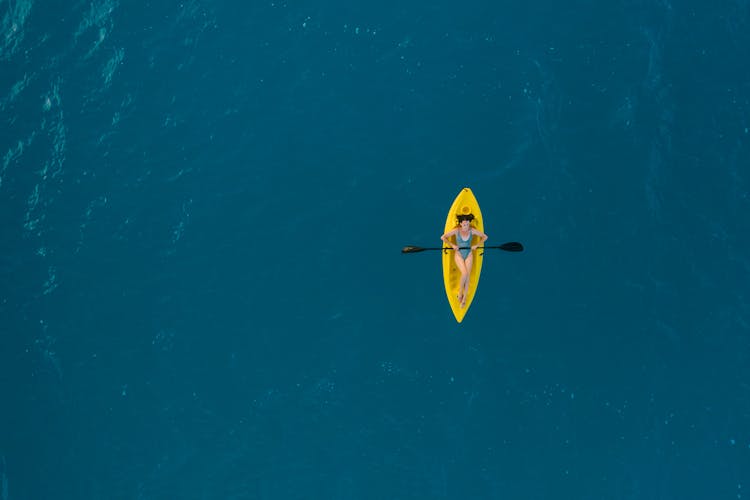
512,246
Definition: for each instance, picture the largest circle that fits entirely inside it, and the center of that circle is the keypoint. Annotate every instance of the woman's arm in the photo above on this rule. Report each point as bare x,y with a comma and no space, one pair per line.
448,235
482,236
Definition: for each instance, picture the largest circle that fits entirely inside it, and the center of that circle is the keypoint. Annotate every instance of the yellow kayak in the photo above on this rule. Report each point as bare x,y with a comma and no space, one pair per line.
464,204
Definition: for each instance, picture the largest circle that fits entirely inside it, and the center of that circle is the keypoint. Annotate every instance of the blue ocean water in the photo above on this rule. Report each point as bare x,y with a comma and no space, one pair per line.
202,207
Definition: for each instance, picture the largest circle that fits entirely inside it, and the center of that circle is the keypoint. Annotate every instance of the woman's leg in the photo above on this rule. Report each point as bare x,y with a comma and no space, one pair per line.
467,263
461,265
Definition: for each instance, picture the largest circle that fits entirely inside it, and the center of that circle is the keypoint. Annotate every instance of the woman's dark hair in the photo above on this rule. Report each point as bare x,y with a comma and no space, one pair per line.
463,217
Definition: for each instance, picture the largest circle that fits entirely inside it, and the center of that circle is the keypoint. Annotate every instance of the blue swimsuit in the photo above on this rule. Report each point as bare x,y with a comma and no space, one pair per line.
463,243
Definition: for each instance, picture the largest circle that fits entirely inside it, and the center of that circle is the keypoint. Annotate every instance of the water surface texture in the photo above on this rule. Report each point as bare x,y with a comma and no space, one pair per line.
202,206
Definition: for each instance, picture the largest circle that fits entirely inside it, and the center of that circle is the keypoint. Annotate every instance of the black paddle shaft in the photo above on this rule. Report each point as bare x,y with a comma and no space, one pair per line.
512,246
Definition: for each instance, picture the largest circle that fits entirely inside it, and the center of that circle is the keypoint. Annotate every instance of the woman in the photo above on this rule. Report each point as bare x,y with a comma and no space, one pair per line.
464,251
